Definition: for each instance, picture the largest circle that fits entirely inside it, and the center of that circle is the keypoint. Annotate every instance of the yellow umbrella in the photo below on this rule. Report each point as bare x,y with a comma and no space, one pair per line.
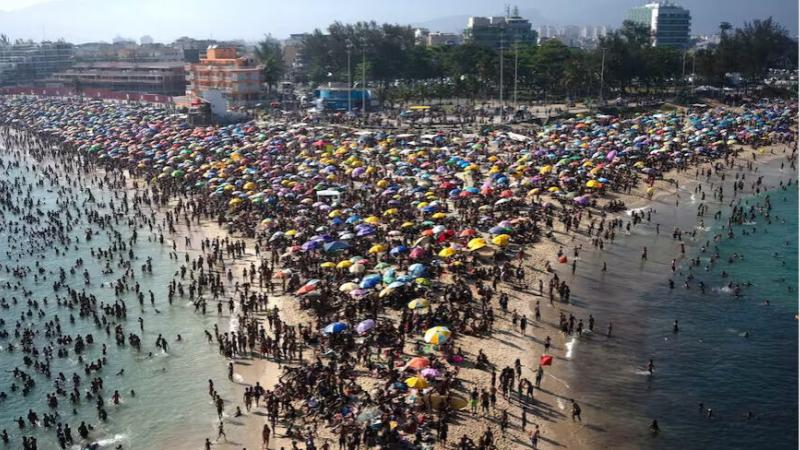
407,225
334,213
594,184
344,264
553,189
328,265
377,248
417,383
390,212
439,215
476,244
418,303
291,233
385,291
235,201
545,170
372,220
447,252
501,240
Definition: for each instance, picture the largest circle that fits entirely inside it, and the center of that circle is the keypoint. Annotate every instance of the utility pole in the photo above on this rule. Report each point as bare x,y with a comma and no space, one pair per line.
349,82
602,74
516,66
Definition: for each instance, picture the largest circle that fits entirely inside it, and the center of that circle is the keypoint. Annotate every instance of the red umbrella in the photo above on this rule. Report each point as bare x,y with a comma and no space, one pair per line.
306,289
545,360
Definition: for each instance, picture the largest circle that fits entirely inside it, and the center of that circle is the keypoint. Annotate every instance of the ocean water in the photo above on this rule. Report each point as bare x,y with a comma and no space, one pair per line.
732,354
171,407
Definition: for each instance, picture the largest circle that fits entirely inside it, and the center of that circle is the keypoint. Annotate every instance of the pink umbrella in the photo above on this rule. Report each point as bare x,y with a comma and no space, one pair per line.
430,372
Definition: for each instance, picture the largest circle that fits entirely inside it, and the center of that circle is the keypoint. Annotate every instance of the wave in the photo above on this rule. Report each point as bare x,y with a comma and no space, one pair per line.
104,442
570,347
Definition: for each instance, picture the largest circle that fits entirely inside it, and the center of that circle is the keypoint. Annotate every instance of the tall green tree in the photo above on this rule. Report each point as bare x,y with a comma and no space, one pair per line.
269,53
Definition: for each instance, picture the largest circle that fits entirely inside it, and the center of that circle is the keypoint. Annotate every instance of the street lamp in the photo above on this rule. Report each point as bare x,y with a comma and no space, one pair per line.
349,81
602,74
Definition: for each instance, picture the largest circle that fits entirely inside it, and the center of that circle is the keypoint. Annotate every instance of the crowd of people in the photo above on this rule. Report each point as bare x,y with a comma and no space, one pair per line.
395,246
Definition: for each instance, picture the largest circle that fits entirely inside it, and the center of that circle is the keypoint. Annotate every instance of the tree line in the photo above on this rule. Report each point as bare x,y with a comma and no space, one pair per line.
624,62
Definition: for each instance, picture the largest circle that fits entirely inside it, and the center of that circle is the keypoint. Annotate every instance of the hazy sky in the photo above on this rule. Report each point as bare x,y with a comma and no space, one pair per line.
165,20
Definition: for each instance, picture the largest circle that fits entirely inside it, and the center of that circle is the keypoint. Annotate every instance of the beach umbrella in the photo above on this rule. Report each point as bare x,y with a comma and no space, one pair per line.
335,328
476,244
370,281
400,249
335,246
447,252
430,372
357,268
437,335
419,362
377,248
348,287
417,253
416,270
416,383
418,303
469,232
501,240
365,325
306,288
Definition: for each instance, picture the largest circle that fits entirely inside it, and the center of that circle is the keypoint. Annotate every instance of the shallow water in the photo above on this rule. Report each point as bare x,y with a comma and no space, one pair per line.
171,408
709,360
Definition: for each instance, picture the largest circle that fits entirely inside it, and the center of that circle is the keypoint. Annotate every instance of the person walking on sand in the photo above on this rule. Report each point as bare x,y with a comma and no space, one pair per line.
221,431
265,432
535,436
576,411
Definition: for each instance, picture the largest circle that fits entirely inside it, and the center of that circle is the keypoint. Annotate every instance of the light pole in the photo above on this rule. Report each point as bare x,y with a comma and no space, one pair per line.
364,80
516,65
501,80
349,82
602,74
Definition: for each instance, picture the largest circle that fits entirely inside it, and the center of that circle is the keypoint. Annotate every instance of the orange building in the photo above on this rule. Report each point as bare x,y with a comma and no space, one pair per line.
238,78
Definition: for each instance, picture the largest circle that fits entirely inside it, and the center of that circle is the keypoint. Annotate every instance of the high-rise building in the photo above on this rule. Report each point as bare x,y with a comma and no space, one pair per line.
669,23
497,30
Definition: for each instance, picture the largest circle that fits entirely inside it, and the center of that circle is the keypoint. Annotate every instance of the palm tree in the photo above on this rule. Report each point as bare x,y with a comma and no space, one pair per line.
269,53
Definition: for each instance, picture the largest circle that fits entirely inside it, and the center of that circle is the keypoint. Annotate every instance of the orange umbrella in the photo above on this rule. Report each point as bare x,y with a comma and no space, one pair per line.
419,363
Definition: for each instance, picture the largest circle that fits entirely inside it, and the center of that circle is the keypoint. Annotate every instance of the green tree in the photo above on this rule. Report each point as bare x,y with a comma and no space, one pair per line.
269,53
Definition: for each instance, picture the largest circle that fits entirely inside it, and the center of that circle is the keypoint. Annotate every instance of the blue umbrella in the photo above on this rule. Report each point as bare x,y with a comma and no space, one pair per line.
335,246
396,284
370,281
335,327
416,270
311,245
398,250
355,218
405,278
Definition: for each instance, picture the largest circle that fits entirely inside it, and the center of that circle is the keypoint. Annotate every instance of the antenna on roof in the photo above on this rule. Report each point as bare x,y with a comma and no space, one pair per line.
516,11
508,10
